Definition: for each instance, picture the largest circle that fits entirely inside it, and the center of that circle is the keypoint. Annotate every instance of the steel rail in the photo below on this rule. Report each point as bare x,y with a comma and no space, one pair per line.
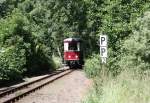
14,98
27,84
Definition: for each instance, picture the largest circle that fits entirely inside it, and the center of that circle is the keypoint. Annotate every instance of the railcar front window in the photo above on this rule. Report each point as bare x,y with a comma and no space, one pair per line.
73,46
65,46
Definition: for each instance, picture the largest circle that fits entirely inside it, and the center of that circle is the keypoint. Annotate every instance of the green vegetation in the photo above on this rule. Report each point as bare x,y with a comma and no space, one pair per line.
32,33
128,87
131,85
57,62
92,66
39,27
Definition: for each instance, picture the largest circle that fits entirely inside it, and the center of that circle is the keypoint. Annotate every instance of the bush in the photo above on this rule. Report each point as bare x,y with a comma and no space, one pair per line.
136,49
57,61
39,60
131,85
92,66
13,47
17,31
12,63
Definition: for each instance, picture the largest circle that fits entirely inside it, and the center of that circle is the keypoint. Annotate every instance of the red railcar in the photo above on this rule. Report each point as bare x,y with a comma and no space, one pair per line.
73,54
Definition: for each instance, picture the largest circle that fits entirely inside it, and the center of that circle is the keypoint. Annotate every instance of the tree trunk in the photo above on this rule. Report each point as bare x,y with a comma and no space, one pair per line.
59,53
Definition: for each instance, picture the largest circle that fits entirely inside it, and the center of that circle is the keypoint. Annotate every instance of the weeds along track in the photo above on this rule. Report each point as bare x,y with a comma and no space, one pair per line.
13,95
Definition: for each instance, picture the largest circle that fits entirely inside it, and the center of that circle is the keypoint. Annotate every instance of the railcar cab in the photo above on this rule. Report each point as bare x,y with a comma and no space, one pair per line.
73,56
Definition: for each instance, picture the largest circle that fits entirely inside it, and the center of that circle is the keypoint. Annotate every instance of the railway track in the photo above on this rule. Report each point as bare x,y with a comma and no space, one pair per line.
15,94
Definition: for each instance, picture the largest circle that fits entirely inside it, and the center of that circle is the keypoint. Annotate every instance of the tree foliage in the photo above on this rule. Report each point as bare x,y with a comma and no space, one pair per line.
39,27
12,54
136,49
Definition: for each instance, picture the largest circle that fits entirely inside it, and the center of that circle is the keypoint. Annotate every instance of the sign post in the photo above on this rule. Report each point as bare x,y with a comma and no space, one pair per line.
103,52
103,48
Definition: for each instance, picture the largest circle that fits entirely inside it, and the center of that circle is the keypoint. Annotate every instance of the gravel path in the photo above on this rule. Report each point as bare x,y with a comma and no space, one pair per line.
68,89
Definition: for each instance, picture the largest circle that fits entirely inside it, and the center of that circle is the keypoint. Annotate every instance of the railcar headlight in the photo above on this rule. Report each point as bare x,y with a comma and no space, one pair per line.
69,56
76,56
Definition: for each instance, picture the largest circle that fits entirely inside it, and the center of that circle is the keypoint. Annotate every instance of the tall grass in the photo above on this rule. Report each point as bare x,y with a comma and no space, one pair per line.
128,87
92,66
132,83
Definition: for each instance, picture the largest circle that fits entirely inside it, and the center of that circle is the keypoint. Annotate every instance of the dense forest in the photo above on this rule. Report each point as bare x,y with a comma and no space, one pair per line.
32,33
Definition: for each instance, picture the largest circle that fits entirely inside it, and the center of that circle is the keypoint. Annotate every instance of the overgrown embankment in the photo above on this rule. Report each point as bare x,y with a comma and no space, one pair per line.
128,87
130,83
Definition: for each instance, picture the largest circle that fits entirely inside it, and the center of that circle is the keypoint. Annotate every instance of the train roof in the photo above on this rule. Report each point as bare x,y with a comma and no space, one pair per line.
72,39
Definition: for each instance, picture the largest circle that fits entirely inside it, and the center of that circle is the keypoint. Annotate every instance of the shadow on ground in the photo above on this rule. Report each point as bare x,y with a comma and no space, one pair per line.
9,84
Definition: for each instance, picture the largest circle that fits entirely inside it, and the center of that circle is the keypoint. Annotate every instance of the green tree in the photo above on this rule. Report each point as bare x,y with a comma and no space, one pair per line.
13,48
136,49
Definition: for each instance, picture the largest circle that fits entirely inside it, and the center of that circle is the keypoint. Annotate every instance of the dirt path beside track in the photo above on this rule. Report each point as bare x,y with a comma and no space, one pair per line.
69,89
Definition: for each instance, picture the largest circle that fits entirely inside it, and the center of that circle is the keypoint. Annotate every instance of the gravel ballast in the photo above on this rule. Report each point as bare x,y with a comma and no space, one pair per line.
69,89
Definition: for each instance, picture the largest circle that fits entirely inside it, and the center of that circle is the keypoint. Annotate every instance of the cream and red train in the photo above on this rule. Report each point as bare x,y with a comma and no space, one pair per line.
73,53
